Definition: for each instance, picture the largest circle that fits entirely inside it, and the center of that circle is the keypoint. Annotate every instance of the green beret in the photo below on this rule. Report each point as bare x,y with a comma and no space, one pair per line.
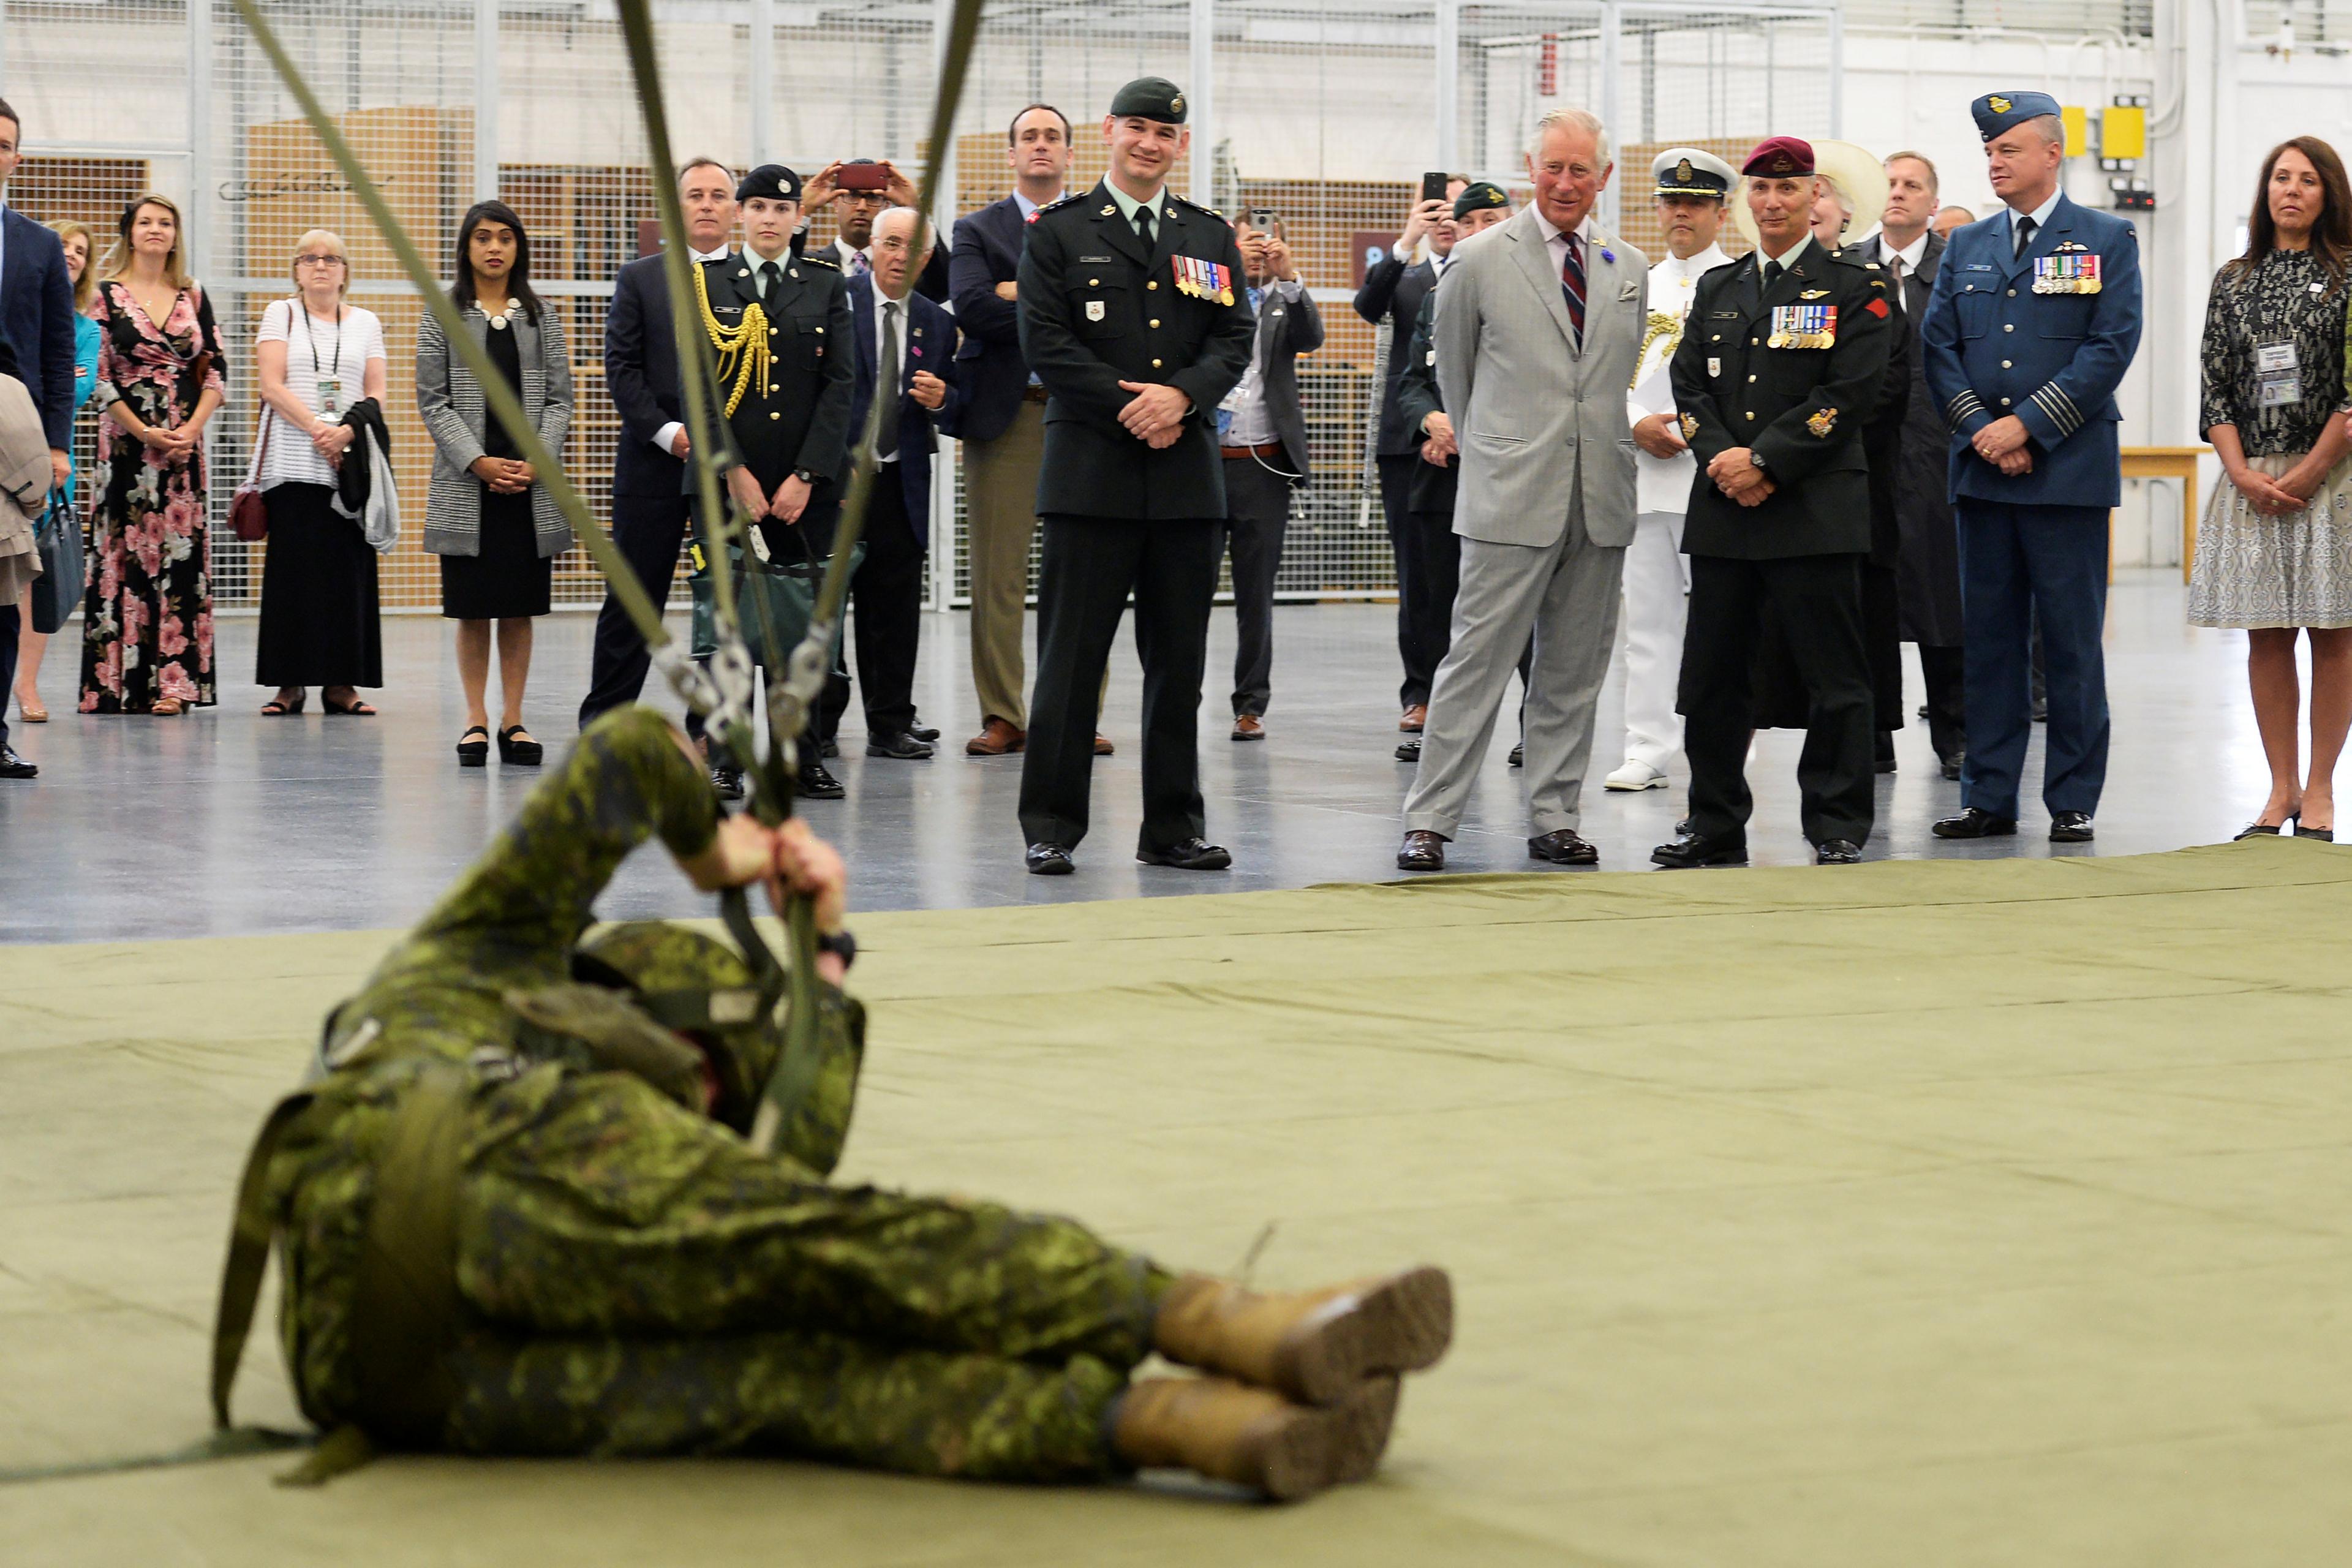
1150,98
1477,196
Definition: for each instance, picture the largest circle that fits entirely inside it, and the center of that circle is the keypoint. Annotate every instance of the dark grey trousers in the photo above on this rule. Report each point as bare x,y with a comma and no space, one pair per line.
1258,514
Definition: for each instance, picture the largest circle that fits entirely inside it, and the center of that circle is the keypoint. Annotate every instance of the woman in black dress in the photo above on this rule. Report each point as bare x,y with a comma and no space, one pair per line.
487,515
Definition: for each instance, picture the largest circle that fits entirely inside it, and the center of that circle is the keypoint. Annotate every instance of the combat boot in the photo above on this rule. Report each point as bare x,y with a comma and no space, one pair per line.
1255,1438
1314,1346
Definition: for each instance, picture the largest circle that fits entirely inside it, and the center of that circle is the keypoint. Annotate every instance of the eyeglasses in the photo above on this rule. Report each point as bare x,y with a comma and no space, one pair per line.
319,261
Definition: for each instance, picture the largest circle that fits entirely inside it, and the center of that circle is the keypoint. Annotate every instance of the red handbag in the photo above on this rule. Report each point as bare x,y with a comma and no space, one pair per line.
248,509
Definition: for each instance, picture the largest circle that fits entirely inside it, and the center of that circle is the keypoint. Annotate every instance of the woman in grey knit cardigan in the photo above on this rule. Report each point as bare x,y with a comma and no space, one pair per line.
488,516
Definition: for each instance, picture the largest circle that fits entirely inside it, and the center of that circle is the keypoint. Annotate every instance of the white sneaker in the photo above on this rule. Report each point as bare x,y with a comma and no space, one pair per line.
1635,775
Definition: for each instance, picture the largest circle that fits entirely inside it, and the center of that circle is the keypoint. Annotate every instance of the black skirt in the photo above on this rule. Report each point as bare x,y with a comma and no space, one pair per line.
510,579
319,607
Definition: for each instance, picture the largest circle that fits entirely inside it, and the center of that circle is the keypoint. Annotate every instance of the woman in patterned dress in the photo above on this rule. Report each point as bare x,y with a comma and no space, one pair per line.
2275,552
147,635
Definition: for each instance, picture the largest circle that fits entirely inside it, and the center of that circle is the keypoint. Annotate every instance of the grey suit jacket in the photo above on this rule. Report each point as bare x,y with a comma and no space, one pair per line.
1538,420
1286,329
450,401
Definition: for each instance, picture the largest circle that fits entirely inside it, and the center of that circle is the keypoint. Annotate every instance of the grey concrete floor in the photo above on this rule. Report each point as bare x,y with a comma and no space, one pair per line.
225,823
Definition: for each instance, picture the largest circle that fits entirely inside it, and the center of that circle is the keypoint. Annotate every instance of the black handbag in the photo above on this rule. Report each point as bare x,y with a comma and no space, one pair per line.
57,594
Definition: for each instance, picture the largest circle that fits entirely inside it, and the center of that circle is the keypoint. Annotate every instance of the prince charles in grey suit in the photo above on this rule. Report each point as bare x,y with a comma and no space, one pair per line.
1539,324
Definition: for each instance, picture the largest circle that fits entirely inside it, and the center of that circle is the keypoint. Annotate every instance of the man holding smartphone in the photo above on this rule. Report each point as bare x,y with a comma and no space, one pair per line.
1390,298
860,190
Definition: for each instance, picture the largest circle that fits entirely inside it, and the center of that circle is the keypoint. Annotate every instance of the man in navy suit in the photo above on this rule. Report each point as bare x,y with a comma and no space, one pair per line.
890,321
1004,425
37,317
2034,321
650,503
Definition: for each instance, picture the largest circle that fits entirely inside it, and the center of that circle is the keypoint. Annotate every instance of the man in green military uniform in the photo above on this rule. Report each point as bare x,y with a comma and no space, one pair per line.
1134,315
518,1214
1778,367
779,326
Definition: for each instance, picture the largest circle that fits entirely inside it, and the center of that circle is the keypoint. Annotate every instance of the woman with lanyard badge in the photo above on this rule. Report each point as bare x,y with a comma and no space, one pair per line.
2275,552
317,356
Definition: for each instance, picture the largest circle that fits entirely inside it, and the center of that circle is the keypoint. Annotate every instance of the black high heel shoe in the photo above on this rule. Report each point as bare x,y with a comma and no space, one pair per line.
522,753
473,754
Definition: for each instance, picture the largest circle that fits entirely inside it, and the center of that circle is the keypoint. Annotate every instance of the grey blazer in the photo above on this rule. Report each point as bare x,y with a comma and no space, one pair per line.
450,400
1286,329
1538,420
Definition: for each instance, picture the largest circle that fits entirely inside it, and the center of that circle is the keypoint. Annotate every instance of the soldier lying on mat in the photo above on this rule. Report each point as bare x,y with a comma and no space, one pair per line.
519,1216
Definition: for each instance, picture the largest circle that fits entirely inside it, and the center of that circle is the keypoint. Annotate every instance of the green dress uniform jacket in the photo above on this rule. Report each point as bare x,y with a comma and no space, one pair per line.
799,416
1097,310
1802,410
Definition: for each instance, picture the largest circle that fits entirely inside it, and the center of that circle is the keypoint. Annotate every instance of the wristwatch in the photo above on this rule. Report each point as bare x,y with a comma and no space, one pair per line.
1756,460
804,477
841,945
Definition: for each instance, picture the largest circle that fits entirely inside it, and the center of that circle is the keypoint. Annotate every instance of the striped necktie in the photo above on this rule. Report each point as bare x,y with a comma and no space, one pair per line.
1571,283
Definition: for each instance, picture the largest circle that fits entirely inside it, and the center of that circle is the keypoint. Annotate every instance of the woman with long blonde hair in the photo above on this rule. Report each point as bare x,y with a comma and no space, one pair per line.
80,248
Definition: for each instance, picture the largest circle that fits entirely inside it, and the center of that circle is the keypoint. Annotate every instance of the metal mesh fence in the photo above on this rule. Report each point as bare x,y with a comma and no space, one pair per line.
1321,112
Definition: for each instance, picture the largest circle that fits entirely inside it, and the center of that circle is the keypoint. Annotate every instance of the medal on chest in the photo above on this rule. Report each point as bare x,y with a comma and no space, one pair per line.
1803,327
2066,275
1201,280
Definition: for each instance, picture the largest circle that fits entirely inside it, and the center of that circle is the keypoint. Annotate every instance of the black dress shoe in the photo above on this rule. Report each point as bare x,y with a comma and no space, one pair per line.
828,747
1696,849
1519,755
1683,829
12,766
1563,846
1974,824
924,734
2040,711
1422,850
904,745
1952,766
727,783
1837,852
1048,860
1188,855
2071,827
815,784
1409,749
1882,760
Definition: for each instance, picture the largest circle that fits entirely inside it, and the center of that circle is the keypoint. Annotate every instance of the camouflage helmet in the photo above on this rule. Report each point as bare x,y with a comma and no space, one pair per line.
695,985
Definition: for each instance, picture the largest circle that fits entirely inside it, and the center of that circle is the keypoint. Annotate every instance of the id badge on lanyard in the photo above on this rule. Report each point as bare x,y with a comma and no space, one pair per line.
330,395
2278,376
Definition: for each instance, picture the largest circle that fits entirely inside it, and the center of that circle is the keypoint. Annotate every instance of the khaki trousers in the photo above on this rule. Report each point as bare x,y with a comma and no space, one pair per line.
1000,510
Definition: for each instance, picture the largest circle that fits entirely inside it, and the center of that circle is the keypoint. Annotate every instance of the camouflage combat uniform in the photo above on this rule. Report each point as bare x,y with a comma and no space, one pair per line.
630,1278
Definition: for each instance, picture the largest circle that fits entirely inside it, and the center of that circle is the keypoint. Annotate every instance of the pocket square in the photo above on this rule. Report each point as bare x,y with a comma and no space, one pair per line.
1629,290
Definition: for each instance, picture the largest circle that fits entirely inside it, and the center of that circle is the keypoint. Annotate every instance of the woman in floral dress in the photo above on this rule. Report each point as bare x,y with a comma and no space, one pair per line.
147,637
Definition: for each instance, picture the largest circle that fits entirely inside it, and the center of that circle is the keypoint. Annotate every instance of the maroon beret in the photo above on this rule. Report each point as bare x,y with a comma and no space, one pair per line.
1781,158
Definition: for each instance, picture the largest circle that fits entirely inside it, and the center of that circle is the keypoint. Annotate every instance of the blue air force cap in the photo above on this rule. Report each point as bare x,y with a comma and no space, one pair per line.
1998,111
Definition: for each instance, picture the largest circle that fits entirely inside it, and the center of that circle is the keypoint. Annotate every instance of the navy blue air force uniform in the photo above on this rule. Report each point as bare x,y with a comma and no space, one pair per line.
2045,334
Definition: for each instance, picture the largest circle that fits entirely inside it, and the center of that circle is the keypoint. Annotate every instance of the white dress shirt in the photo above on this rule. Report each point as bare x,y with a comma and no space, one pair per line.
668,434
2040,216
1251,426
1910,255
906,322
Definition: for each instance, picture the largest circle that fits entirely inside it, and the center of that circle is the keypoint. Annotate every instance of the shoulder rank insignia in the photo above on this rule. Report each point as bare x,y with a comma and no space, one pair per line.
1070,200
1690,428
1824,421
1803,327
2077,274
1814,294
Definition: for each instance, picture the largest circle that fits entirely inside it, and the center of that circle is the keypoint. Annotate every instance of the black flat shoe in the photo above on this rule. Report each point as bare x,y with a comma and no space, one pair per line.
1952,766
1188,855
474,754
2324,835
518,749
924,734
815,784
904,746
279,708
1048,860
1974,824
828,748
727,783
1519,755
2257,829
1837,852
2071,827
1409,749
1563,846
1422,850
1696,849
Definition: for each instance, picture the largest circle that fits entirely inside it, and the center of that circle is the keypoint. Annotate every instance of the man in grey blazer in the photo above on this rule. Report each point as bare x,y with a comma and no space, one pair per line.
1540,323
1262,431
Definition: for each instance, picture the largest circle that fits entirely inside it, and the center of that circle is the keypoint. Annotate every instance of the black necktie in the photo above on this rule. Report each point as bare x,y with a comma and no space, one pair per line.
1770,272
2025,236
1143,225
771,279
887,375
